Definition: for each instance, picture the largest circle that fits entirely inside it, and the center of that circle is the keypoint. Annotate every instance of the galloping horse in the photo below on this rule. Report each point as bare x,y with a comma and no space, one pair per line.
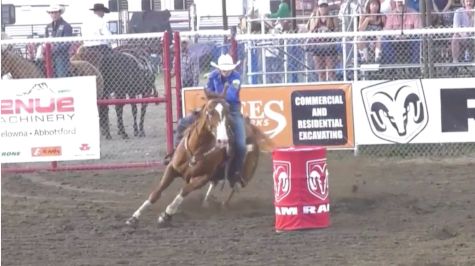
21,68
124,74
201,155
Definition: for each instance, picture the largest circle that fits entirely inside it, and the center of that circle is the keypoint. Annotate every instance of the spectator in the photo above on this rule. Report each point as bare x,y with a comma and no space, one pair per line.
413,4
442,15
60,51
349,9
189,66
399,47
463,17
371,20
96,27
282,12
325,51
387,6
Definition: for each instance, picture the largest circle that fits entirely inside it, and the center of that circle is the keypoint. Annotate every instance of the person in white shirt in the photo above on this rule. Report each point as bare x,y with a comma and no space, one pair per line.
97,27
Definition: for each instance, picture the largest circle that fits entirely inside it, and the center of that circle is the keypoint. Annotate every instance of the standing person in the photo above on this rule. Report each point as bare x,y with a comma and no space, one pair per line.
325,51
96,26
190,71
60,51
224,73
462,44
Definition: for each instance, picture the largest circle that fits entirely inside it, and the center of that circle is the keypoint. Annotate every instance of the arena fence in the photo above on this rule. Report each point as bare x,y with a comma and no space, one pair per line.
271,58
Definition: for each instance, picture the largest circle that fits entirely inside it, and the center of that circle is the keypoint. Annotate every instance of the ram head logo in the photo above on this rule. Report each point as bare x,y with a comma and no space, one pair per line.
317,178
282,180
396,111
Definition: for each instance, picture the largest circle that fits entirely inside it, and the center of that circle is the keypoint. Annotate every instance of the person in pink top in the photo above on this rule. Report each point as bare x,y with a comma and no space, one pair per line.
401,48
411,18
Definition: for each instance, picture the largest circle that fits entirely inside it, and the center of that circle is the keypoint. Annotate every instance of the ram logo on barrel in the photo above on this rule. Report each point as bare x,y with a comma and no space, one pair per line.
282,180
396,111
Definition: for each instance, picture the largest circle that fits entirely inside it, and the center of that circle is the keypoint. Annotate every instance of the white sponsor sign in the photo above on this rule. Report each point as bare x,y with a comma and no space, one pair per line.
414,111
49,120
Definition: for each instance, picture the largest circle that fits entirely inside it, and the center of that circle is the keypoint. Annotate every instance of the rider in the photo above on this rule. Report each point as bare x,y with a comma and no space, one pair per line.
60,51
224,73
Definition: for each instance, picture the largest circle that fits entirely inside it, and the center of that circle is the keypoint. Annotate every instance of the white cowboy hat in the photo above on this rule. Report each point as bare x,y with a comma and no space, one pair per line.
55,8
225,63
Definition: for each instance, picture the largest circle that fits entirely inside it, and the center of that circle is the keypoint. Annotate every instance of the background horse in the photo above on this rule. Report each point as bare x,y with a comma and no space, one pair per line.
125,74
21,68
201,155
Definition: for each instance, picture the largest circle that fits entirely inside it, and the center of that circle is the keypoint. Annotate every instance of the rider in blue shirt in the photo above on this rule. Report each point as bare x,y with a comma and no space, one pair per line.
224,73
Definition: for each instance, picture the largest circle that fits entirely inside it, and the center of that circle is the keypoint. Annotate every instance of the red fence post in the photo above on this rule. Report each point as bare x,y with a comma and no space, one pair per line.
49,74
177,68
168,90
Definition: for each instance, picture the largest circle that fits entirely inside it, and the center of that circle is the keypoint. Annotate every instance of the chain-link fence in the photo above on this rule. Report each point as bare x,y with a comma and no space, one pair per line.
129,78
133,70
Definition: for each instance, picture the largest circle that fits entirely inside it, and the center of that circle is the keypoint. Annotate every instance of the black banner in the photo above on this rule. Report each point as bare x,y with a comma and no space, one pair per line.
319,117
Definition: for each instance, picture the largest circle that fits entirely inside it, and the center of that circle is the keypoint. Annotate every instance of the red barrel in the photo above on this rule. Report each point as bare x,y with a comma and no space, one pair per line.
301,197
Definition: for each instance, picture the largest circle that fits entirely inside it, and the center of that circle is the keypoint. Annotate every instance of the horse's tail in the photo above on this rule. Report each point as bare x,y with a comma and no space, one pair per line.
263,141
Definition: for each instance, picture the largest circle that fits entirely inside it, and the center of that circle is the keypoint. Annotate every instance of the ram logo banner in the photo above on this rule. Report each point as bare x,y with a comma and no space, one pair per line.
282,181
317,178
396,110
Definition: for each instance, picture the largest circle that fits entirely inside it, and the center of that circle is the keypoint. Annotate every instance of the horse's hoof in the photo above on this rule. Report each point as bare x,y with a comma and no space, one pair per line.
164,219
136,133
132,221
123,135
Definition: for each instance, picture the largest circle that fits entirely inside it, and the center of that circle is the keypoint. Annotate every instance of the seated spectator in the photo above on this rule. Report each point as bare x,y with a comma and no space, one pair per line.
325,51
397,48
441,16
371,20
461,42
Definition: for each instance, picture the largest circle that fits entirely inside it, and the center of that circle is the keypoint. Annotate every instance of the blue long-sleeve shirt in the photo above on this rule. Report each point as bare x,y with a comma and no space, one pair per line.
216,84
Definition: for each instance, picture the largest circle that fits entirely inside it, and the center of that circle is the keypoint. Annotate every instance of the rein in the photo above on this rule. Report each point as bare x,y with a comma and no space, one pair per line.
194,158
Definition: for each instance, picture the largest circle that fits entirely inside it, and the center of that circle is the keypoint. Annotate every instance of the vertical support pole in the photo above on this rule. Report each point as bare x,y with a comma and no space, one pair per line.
168,90
177,71
233,50
49,74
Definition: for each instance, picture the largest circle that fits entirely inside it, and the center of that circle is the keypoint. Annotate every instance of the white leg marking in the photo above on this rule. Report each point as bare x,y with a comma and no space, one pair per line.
139,211
250,147
208,193
173,207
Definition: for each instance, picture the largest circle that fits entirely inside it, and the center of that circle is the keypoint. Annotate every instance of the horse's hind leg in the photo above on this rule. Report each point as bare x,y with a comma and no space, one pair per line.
166,180
142,120
195,183
104,121
119,109
134,115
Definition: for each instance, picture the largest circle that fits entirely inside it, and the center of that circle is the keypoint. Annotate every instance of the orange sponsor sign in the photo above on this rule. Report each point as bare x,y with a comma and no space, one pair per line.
309,114
46,151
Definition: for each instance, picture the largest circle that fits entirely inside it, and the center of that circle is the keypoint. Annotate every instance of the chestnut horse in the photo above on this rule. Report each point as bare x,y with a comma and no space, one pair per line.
201,155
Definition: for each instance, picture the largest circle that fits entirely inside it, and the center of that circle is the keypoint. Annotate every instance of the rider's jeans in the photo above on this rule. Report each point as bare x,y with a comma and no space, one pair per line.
61,65
237,123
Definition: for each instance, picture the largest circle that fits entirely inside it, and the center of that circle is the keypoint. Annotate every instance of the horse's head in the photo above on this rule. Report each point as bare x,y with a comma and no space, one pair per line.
216,114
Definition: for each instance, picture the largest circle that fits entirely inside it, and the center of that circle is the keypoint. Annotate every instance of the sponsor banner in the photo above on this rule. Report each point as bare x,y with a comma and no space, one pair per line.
49,120
414,111
309,114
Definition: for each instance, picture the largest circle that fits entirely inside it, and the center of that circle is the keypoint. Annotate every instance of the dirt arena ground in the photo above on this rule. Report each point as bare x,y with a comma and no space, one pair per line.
383,213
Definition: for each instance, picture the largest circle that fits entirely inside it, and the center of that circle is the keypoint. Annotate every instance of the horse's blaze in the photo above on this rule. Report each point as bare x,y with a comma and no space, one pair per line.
221,132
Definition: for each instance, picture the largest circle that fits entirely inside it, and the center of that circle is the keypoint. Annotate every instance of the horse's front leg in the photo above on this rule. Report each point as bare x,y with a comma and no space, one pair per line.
195,183
167,178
